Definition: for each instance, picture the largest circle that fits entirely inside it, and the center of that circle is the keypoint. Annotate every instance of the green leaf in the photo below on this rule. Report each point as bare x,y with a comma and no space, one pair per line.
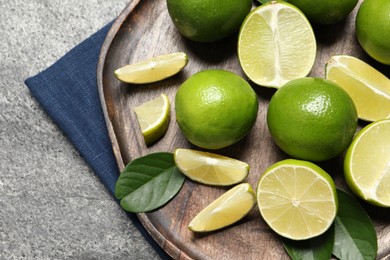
148,182
317,248
355,236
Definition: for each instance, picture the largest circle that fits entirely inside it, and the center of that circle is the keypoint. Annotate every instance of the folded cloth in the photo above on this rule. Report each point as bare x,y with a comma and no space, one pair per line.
67,91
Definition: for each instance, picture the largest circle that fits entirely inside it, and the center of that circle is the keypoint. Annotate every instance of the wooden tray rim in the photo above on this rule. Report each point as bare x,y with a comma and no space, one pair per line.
170,248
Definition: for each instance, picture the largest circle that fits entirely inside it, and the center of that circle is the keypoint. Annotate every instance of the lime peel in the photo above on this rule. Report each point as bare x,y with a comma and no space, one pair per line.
367,163
210,168
368,88
227,209
153,117
297,199
271,53
152,70
215,108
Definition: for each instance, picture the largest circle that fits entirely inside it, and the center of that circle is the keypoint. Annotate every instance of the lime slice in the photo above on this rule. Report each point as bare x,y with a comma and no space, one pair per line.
229,208
297,199
276,44
368,88
153,117
210,168
367,163
152,70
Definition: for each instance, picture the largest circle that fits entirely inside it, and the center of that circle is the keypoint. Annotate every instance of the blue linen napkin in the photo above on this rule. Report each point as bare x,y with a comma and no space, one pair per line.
68,92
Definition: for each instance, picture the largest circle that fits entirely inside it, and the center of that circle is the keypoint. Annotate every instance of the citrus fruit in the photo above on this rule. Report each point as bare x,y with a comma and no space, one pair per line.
297,199
372,29
152,70
153,117
208,20
276,44
368,88
229,208
210,168
312,119
367,163
325,12
215,108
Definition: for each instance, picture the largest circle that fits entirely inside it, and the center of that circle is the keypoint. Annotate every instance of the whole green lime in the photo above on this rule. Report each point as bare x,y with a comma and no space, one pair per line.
373,29
325,11
312,119
208,20
215,108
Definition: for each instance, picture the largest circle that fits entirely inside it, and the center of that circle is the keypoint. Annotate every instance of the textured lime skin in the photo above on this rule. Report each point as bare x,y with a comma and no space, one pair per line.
215,108
325,11
373,29
312,119
208,20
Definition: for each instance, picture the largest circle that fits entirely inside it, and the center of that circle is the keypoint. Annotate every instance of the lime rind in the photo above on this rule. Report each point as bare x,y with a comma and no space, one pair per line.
297,199
368,88
153,117
367,163
230,207
210,168
152,70
272,52
215,108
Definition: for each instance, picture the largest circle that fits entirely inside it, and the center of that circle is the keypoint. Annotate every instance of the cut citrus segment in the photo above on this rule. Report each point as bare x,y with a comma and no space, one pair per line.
276,44
152,70
153,117
297,199
229,208
368,88
367,163
210,168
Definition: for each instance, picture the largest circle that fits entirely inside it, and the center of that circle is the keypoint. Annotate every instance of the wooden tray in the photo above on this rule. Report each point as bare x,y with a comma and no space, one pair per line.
144,30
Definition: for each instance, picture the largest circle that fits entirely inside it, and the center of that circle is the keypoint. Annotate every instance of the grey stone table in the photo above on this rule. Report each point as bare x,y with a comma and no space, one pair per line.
51,204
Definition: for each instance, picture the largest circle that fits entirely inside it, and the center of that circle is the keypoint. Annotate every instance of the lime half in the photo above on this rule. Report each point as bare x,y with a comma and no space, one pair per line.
368,88
276,44
229,208
297,199
153,117
367,163
210,168
152,70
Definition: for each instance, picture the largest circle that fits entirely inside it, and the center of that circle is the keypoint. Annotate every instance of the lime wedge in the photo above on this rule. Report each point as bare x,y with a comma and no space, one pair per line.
152,70
276,44
153,117
367,163
229,208
368,88
297,199
210,168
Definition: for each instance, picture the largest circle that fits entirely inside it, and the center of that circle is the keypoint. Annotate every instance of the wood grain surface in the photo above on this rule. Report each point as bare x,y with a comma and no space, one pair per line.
144,30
